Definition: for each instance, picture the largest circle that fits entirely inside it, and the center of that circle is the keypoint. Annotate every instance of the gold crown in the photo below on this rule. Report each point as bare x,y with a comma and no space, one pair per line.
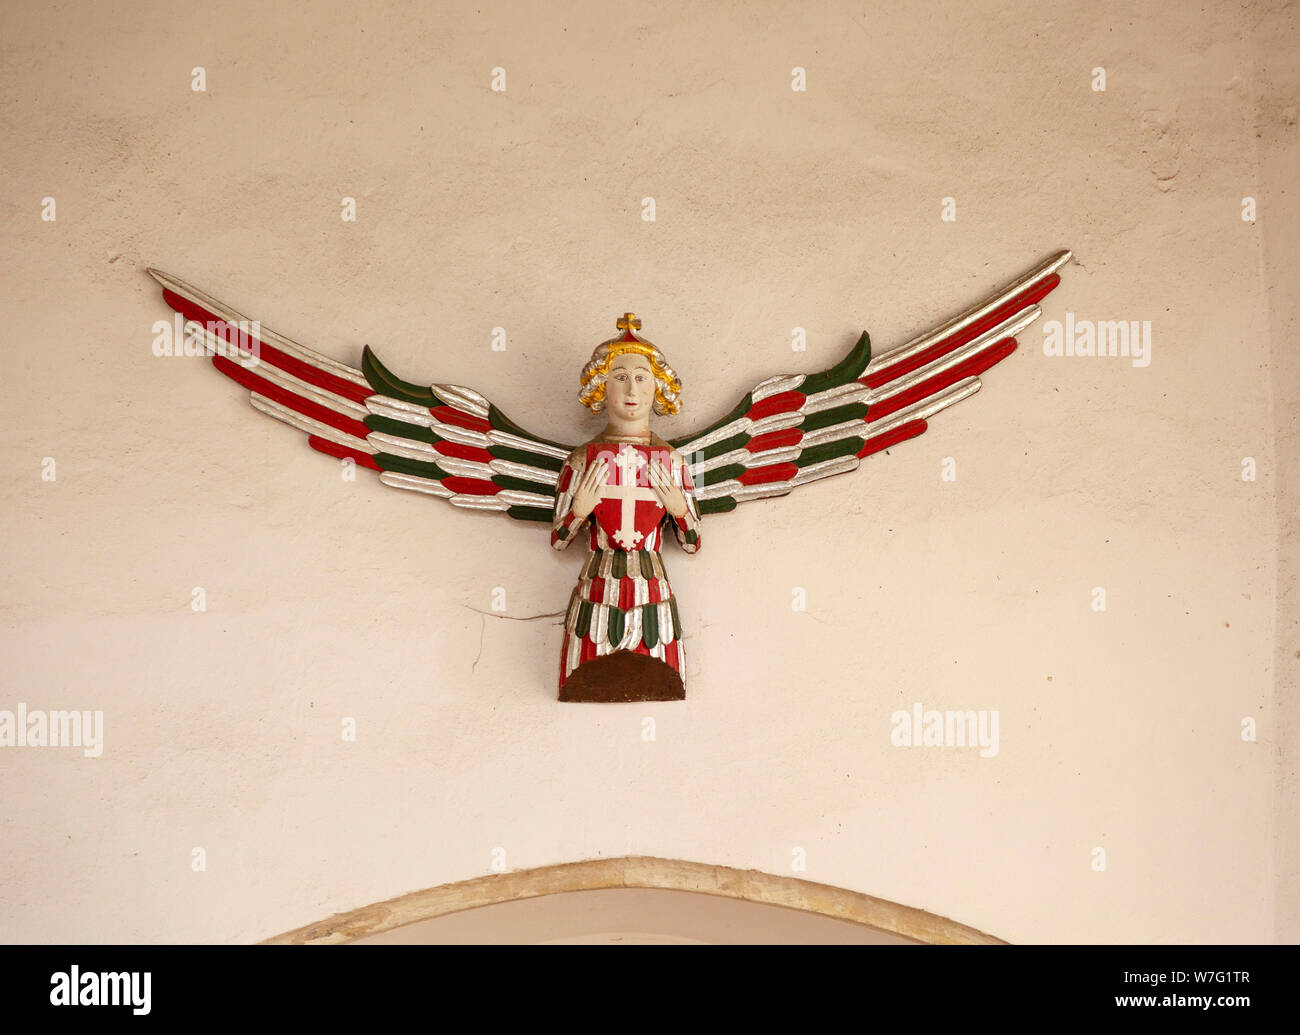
629,342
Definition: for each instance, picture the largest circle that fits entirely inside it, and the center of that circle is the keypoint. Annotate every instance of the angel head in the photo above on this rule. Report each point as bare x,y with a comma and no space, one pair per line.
636,370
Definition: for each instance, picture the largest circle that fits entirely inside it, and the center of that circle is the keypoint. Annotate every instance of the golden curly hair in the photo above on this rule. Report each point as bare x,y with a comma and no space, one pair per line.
595,374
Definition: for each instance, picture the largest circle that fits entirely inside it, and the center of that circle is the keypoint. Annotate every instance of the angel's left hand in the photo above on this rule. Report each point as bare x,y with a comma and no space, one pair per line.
669,492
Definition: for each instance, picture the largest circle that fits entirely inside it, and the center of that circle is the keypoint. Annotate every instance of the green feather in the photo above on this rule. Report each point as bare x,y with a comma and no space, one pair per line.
835,415
650,624
508,481
521,456
404,465
725,445
848,369
530,513
717,505
386,383
719,474
401,429
829,451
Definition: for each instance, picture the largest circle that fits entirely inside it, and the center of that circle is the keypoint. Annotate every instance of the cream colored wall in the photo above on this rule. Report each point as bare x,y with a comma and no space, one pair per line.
775,209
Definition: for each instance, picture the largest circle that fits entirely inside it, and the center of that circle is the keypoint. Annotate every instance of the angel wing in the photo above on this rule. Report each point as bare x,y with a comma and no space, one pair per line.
450,441
445,441
798,428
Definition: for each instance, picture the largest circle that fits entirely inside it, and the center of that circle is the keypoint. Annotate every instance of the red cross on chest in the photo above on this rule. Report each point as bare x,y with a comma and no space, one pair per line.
629,508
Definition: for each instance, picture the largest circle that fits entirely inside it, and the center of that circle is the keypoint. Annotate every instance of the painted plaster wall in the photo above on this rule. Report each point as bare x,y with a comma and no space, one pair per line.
775,209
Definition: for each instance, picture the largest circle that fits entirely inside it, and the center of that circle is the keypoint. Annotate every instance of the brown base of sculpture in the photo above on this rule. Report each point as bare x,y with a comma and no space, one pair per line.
621,677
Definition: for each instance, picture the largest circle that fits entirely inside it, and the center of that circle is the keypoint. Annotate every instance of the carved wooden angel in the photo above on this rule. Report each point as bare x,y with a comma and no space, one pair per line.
621,491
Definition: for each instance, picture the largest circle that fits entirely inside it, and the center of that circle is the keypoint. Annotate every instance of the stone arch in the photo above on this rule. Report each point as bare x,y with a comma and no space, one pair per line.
637,872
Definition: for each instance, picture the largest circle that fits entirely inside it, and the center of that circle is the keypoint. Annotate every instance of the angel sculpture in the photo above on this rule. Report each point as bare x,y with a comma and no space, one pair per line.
622,631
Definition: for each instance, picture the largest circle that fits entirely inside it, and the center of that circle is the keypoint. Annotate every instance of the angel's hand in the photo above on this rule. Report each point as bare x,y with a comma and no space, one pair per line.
587,494
669,492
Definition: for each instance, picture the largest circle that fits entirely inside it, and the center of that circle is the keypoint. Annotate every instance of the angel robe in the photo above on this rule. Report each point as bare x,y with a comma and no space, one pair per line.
622,631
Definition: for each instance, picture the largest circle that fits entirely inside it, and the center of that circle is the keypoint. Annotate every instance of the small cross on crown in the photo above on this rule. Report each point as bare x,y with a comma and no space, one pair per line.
628,322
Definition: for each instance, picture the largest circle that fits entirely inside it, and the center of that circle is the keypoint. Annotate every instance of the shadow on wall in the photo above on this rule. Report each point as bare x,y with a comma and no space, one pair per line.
636,900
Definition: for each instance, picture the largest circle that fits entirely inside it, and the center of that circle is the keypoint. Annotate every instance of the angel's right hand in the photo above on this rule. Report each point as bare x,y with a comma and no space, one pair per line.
588,492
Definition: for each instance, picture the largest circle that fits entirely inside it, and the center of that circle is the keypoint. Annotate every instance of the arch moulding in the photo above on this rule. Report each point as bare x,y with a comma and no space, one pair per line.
637,872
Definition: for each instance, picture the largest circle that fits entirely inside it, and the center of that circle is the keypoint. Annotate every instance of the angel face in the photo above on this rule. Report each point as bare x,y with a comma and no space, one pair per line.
631,359
630,391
